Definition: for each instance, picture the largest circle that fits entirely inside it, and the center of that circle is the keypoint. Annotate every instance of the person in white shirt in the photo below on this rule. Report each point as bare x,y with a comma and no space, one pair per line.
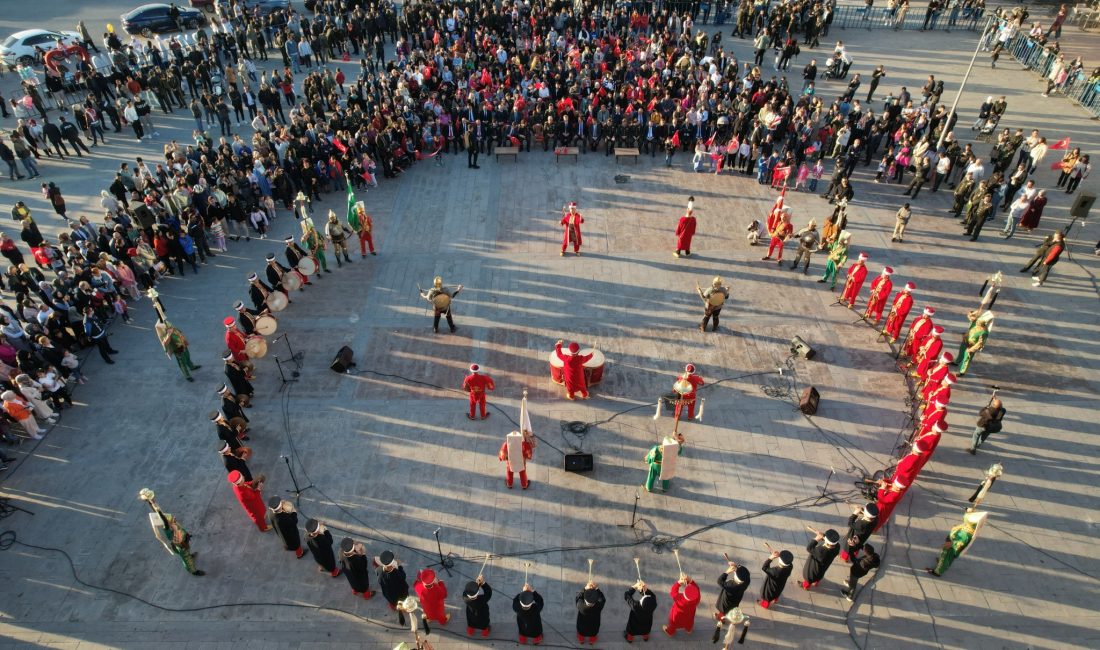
131,115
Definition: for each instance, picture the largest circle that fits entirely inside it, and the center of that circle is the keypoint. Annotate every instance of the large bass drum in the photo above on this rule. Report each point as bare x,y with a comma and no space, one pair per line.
267,325
277,301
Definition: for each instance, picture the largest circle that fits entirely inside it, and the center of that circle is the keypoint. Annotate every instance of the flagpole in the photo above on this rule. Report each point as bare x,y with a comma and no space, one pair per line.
962,86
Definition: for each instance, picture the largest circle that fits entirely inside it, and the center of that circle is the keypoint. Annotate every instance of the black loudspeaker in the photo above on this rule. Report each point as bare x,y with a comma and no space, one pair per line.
578,462
801,348
342,362
810,400
1082,205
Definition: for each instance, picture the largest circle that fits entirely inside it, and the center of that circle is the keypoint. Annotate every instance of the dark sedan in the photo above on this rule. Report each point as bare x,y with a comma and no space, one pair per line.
156,18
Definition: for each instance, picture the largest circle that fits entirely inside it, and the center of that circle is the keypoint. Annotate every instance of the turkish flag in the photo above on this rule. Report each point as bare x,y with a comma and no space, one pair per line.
676,139
1061,144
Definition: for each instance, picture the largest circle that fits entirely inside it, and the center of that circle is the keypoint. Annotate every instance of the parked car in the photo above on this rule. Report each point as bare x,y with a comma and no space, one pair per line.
266,6
151,19
19,47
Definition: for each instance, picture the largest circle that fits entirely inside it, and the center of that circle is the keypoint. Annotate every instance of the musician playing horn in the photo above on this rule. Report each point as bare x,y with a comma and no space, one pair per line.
571,221
440,297
713,299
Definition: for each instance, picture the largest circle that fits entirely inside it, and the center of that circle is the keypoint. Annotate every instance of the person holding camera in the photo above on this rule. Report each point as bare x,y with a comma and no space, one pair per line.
989,421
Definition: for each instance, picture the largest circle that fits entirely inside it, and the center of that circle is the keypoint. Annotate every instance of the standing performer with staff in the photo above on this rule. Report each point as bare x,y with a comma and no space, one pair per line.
899,311
440,297
681,616
838,256
315,243
777,568
363,226
170,533
733,584
284,519
477,384
573,369
857,273
571,221
640,620
880,292
476,595
175,346
590,603
685,230
713,299
958,542
974,341
661,465
248,494
823,548
319,541
516,450
527,605
353,557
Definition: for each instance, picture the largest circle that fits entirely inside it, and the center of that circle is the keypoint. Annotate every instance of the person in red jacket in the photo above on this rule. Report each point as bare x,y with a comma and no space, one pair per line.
927,352
571,222
477,384
1051,258
573,370
685,230
899,311
248,493
780,234
432,593
688,399
887,498
235,340
880,293
919,329
857,273
681,616
514,465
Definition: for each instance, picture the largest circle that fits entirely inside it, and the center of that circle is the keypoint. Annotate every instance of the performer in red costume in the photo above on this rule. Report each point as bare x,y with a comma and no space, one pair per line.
903,302
918,330
681,616
938,390
248,493
685,230
928,351
929,440
688,399
880,293
574,369
571,221
909,467
234,340
933,368
477,384
934,416
432,593
513,465
938,372
887,498
857,273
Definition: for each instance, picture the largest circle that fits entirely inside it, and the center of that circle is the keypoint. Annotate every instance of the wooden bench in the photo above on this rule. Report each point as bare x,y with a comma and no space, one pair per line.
566,151
507,151
626,153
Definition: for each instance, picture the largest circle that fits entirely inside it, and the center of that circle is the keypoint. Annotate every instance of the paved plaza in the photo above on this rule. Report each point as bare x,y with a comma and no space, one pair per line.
390,461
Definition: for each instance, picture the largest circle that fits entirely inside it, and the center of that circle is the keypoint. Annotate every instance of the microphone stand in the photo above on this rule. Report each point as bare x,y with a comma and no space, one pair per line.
294,479
293,373
633,514
447,562
296,357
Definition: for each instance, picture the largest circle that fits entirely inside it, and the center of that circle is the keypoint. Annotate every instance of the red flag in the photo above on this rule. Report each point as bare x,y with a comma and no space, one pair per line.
1061,144
810,149
711,141
676,139
1056,166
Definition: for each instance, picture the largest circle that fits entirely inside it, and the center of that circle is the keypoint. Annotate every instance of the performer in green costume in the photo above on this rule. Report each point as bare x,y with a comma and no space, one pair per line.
974,340
315,243
958,541
838,255
170,533
655,458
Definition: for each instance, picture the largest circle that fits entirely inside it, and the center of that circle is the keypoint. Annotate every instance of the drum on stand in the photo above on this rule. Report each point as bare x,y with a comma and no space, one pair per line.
255,346
557,369
267,325
593,368
307,266
277,301
292,281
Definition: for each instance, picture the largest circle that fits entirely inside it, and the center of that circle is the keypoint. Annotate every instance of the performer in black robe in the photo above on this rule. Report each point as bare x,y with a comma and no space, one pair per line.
294,252
590,602
236,376
232,461
823,550
476,595
258,292
275,272
777,568
528,608
356,568
246,318
319,541
860,526
285,521
863,565
640,620
227,433
391,578
733,584
230,406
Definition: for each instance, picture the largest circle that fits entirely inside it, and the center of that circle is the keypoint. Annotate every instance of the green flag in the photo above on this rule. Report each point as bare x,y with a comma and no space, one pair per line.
353,216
